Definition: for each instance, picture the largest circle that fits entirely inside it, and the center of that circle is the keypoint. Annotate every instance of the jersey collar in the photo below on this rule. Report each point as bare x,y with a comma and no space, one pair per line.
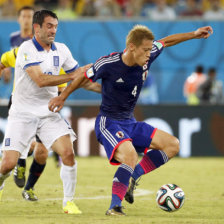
40,48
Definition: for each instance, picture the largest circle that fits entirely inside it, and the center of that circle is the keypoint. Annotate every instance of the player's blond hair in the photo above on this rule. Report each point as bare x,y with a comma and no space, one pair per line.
137,34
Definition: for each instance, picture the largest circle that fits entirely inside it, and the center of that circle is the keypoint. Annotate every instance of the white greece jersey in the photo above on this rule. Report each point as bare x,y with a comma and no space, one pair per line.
28,97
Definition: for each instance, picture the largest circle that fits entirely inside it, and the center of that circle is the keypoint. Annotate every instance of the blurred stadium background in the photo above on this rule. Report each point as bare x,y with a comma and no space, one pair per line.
93,28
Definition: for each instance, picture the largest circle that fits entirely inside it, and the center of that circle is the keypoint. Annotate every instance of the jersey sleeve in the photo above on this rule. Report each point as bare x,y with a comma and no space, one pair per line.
97,71
26,56
157,48
70,64
8,59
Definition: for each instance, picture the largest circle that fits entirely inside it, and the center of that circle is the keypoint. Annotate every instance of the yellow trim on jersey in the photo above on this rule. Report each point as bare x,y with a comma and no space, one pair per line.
8,59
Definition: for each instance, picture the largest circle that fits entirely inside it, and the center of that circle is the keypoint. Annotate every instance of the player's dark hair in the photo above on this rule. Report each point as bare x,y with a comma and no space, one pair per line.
39,16
199,69
25,8
212,70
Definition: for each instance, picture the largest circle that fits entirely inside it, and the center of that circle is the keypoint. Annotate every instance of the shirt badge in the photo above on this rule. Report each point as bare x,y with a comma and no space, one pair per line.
90,73
120,134
7,142
56,60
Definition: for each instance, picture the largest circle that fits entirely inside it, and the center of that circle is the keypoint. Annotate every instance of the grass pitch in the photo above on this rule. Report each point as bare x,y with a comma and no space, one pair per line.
202,180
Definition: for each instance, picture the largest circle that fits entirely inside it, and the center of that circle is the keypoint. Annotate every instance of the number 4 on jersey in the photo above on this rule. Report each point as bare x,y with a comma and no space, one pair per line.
134,91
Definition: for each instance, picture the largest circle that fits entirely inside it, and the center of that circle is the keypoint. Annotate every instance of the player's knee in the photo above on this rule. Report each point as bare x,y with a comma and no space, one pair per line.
7,165
67,156
130,159
41,158
174,147
41,153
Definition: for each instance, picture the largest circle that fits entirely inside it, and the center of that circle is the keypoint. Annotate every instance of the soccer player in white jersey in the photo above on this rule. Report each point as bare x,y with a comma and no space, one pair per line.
123,75
36,78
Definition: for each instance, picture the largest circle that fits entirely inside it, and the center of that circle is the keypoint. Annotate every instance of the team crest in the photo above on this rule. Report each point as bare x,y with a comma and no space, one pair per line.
120,134
144,75
56,61
7,142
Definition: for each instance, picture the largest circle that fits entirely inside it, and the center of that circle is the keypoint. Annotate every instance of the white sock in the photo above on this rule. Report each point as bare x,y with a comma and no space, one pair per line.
68,175
2,179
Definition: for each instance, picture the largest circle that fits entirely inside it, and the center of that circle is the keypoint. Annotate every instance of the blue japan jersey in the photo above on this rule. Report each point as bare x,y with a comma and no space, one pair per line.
121,84
16,40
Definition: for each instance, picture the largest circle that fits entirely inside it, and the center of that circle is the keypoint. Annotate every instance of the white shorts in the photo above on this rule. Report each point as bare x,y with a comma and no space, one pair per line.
22,128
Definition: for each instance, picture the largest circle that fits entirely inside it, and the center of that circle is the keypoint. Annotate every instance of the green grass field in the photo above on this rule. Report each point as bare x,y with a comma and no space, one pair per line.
202,180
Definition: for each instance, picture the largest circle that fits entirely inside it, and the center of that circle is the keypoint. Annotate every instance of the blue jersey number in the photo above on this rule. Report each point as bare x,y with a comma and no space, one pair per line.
134,91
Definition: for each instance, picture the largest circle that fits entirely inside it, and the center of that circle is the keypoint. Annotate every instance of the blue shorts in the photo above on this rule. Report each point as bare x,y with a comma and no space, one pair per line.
111,133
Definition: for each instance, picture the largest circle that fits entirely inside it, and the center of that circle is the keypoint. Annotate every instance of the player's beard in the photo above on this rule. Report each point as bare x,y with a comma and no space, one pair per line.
48,40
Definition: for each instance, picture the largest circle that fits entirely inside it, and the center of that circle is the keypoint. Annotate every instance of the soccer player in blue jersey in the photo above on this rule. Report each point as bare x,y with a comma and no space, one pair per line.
25,16
123,75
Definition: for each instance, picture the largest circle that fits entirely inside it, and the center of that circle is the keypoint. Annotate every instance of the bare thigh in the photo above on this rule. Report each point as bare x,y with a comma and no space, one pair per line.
64,148
165,142
126,153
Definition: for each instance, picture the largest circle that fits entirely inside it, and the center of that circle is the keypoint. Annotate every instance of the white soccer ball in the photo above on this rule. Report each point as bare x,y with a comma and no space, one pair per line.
170,197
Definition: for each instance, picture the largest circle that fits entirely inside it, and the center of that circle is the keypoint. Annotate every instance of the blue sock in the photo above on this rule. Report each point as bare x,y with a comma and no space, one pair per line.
36,170
151,160
120,184
21,162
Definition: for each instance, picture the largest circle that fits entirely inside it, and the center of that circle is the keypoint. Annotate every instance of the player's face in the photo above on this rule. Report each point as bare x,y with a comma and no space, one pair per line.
25,19
141,53
48,30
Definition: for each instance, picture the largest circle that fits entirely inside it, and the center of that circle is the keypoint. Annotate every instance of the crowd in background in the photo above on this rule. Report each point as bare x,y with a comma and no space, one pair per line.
199,88
150,9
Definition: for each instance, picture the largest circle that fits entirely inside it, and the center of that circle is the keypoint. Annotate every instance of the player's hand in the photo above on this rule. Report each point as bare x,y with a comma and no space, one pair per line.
203,32
56,104
80,71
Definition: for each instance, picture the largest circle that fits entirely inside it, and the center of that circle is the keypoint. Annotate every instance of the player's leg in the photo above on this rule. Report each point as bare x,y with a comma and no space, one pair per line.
16,143
36,169
163,147
119,148
63,146
9,160
127,156
57,134
20,169
57,159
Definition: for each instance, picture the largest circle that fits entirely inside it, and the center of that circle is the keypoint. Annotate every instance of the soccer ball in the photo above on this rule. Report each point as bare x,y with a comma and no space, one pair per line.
170,197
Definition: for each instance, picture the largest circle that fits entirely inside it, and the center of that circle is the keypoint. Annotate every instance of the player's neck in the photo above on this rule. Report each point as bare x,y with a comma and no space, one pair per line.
26,33
128,59
45,46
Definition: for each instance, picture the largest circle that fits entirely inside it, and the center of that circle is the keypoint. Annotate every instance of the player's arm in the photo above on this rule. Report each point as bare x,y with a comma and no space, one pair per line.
57,103
2,67
43,80
202,32
92,86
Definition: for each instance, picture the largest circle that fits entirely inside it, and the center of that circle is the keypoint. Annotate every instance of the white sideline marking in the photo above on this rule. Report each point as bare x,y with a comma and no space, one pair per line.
138,193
